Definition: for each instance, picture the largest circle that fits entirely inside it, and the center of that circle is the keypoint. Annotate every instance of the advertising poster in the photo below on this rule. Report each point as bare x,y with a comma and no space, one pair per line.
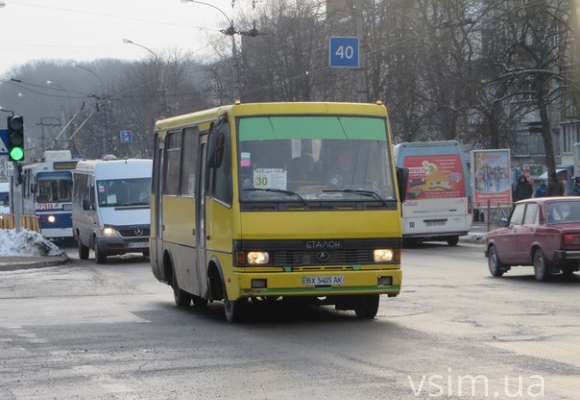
491,177
435,177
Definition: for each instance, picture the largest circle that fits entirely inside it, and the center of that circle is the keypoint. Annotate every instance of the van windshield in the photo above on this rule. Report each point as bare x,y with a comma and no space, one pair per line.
323,158
123,192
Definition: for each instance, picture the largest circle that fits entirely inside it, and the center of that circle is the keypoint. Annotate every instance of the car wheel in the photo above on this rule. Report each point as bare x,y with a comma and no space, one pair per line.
83,250
182,298
541,266
367,306
453,240
496,267
100,256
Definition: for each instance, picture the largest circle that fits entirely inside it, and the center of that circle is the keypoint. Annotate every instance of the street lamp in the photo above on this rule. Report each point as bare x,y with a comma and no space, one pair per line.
129,41
51,83
75,65
158,65
2,109
230,31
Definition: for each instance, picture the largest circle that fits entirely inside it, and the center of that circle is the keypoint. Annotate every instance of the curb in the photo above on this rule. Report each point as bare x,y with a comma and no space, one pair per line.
19,263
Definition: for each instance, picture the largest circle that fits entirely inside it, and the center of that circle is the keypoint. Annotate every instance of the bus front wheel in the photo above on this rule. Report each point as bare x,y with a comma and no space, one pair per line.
366,306
235,310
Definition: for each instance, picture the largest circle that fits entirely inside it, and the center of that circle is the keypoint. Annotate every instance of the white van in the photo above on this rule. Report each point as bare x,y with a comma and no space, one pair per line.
110,212
4,197
438,204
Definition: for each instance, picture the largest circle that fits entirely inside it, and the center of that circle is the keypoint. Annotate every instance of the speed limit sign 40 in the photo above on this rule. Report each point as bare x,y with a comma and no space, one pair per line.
344,52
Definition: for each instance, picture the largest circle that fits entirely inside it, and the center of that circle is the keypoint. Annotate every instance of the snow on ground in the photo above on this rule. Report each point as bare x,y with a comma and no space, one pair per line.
26,244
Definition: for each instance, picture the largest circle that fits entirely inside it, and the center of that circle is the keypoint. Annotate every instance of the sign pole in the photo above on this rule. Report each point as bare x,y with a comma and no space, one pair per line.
17,196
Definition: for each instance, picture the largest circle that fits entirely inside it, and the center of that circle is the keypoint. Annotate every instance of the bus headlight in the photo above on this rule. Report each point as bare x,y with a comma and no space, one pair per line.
51,219
383,255
108,231
258,257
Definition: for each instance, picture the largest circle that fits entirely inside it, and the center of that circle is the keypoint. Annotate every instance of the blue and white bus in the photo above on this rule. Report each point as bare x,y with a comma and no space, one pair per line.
47,193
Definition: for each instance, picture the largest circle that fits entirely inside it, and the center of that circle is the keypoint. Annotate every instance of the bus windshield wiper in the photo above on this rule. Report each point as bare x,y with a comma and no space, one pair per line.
288,192
369,193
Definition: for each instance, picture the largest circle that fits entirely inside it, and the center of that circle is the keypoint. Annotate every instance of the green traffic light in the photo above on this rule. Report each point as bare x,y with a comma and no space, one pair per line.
16,153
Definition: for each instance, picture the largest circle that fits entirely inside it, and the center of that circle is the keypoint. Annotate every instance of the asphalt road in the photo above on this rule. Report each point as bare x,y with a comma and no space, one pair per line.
87,331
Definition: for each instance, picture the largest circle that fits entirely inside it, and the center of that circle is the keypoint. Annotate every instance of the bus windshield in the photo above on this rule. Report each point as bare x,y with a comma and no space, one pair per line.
300,158
54,187
123,192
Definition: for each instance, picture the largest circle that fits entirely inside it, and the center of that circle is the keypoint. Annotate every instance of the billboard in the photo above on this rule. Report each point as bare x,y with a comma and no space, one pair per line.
490,170
435,176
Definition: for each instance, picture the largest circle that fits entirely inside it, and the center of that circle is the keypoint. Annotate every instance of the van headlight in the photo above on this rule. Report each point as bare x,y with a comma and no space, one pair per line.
108,231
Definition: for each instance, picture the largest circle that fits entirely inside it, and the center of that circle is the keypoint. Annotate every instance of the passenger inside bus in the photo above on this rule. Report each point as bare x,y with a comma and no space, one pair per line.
342,172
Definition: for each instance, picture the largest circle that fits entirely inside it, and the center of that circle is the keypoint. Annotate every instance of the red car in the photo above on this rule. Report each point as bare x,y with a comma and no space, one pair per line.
541,232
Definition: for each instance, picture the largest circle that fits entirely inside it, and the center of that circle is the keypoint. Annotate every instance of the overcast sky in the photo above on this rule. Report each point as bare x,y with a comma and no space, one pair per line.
84,30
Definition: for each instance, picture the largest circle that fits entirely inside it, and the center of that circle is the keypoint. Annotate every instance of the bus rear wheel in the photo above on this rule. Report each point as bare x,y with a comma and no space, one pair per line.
366,306
182,298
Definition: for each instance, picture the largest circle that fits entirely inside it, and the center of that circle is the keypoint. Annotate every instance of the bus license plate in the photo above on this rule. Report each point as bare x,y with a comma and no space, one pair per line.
335,280
137,245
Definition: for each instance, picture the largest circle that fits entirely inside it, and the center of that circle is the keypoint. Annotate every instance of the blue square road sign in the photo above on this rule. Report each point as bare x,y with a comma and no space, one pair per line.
344,52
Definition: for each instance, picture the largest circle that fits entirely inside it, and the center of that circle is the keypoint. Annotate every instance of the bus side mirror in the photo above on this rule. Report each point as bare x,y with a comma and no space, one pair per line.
402,180
86,205
215,149
33,188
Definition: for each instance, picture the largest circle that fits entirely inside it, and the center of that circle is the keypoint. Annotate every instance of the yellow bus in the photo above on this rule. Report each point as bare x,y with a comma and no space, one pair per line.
263,202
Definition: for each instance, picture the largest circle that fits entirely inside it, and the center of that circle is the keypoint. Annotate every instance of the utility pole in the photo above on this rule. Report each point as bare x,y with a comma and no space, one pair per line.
361,77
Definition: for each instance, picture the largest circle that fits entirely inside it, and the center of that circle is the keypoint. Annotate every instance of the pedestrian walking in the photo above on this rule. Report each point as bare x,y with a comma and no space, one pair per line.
575,191
555,187
523,189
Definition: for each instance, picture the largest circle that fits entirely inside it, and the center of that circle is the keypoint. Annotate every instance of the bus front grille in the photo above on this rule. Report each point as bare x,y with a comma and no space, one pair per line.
298,257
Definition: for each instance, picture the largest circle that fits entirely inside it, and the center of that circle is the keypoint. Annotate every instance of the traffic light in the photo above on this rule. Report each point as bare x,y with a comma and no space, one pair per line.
16,138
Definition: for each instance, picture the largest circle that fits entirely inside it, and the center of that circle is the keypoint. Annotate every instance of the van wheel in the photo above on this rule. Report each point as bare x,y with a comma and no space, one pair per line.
453,240
83,250
199,302
100,256
367,306
182,298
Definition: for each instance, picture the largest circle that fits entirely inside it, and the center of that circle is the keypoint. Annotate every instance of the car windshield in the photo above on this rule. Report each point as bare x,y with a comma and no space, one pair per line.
323,158
563,212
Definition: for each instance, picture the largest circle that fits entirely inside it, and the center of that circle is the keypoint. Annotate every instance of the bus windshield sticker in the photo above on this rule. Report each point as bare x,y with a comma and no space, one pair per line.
245,159
269,178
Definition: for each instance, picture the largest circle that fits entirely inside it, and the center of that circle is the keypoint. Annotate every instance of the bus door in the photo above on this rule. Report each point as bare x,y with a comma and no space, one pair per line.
157,245
200,236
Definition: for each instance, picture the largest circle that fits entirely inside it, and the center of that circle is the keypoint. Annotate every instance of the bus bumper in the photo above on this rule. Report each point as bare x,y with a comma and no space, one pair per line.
317,284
